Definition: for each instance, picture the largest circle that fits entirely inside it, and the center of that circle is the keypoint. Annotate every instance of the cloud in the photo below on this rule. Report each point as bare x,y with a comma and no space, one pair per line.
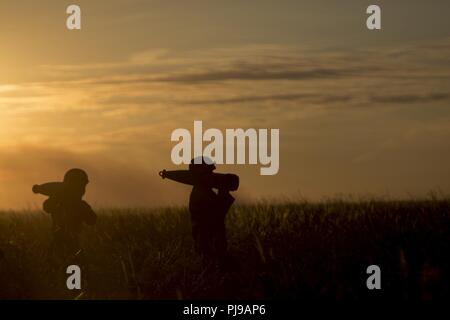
258,63
244,63
257,73
311,98
249,73
411,98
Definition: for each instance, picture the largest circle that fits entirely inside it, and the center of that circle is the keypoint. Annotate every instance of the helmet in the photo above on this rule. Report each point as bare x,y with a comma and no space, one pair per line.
76,176
202,165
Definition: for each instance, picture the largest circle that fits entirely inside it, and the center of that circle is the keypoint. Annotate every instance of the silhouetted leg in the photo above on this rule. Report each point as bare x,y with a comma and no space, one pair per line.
221,244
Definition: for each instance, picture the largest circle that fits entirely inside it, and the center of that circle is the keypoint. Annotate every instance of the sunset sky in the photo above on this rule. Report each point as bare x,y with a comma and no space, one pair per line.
360,112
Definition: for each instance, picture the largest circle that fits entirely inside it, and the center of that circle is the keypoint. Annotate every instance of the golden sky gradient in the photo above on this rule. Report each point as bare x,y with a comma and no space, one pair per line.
359,112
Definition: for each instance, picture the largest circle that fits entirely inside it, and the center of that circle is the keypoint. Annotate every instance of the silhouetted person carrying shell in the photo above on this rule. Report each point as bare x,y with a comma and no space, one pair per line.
208,208
68,210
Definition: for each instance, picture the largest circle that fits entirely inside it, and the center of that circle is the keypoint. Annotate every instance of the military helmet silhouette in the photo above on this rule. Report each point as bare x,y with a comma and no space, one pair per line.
202,165
76,176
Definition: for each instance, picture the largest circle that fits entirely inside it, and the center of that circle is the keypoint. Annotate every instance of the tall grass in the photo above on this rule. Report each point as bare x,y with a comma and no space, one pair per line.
280,251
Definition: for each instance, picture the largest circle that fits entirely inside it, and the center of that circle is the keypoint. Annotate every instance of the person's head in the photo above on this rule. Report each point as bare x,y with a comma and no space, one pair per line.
202,165
76,181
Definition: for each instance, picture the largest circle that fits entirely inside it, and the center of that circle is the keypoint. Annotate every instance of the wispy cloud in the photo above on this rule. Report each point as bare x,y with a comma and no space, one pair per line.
257,73
310,98
411,98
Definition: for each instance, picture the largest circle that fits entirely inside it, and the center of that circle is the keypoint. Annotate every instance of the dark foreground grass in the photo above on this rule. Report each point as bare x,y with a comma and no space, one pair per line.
283,251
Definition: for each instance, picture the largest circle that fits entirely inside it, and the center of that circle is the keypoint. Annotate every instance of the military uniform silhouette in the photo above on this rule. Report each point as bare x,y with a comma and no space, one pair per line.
68,211
208,211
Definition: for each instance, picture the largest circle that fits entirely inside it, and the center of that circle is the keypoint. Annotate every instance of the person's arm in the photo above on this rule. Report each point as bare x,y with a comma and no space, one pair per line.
89,215
51,205
225,201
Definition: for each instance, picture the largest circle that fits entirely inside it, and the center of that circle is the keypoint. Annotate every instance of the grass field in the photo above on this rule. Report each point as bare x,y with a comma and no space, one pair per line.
280,251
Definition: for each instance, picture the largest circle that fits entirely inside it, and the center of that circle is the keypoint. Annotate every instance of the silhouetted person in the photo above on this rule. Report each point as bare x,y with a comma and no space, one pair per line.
68,210
208,208
208,211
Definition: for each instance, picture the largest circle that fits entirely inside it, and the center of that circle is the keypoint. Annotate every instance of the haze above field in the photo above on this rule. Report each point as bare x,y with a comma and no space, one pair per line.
359,111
